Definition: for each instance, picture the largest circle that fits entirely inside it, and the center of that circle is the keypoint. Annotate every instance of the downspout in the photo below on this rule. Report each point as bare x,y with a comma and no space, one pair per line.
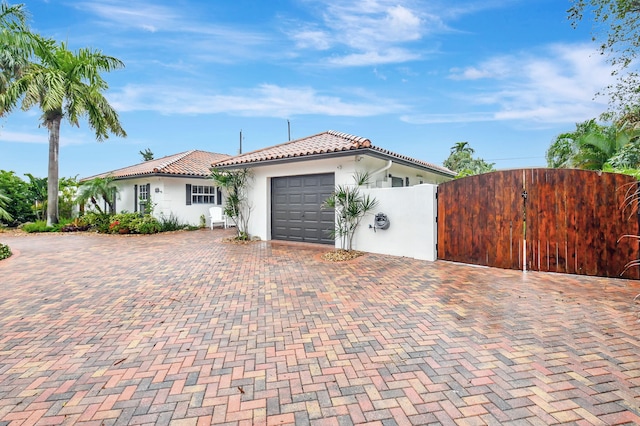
386,167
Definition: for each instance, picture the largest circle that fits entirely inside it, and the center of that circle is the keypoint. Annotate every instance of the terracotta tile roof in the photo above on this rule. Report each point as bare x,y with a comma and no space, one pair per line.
188,163
320,144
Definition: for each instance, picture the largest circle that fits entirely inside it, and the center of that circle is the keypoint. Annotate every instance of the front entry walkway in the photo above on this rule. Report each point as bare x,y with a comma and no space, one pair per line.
184,329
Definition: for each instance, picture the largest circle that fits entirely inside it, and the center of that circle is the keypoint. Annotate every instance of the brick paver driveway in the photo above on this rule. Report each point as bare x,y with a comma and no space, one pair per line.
185,329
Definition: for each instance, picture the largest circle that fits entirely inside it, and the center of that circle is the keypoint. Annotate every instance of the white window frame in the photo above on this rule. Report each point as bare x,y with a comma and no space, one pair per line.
203,194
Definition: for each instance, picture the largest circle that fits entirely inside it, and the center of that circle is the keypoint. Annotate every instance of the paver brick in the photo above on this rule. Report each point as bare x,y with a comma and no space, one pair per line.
186,329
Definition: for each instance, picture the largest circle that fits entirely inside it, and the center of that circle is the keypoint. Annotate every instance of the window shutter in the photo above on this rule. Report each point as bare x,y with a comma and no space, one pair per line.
188,194
135,198
218,196
148,192
114,196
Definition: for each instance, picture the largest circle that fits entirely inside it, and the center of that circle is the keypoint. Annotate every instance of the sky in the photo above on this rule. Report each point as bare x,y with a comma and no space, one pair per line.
413,76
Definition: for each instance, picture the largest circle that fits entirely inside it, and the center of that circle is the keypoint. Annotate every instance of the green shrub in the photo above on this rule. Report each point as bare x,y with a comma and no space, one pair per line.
37,226
171,223
75,225
62,222
146,224
123,223
133,223
97,221
5,251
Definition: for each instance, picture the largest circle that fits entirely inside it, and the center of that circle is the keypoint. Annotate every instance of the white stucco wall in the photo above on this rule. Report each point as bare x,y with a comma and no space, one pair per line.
412,216
260,190
170,197
414,233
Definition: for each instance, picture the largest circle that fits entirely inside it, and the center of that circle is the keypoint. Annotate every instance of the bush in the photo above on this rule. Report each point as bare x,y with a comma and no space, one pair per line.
97,221
37,226
78,224
133,223
146,224
171,223
122,223
5,251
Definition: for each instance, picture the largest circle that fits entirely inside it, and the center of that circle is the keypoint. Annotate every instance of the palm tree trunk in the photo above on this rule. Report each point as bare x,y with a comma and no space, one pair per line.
52,182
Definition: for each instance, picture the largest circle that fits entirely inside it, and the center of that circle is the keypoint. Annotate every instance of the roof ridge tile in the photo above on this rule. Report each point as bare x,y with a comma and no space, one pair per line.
178,157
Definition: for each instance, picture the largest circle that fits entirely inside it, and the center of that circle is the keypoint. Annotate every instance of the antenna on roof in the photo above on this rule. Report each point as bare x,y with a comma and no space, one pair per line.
240,150
289,128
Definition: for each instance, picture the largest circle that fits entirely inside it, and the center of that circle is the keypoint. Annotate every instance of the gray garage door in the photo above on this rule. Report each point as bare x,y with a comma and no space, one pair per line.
296,208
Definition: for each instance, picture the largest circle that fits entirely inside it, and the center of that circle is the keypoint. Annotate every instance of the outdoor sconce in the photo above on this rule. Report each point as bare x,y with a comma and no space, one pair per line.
157,190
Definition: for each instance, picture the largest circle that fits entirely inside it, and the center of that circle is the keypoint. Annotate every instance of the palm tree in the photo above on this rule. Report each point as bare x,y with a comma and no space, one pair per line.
38,189
65,84
4,200
462,147
17,44
235,184
97,188
596,148
350,206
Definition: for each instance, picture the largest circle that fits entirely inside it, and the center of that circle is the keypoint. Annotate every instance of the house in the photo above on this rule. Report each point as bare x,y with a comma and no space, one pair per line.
292,180
175,185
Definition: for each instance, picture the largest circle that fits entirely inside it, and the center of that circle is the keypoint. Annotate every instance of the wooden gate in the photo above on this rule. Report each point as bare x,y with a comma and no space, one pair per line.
553,220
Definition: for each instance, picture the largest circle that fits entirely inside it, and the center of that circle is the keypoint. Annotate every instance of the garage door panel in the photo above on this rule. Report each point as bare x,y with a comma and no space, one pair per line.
295,182
327,180
296,208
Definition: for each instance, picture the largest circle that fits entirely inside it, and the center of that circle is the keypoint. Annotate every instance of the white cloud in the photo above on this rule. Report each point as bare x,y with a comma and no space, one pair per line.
174,28
312,39
380,57
41,138
555,86
21,137
141,15
374,32
266,100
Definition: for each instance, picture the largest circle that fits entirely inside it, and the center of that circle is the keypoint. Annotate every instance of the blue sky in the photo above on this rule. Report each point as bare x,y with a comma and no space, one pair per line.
413,76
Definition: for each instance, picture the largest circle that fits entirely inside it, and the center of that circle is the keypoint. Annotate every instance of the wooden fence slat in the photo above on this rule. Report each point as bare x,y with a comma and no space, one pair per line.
573,221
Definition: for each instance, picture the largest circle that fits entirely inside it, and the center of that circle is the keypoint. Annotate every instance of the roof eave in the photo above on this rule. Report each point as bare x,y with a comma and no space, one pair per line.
335,154
147,175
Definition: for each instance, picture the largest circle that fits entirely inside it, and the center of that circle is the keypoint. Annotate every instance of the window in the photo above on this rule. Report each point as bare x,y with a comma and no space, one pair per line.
143,197
201,194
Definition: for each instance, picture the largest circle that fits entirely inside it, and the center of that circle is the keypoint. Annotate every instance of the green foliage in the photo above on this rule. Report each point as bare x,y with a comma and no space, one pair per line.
133,223
5,251
98,221
147,155
562,149
96,190
63,85
37,226
75,225
203,221
4,202
38,189
146,224
170,223
66,202
122,223
592,146
350,206
461,161
616,29
18,191
235,184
